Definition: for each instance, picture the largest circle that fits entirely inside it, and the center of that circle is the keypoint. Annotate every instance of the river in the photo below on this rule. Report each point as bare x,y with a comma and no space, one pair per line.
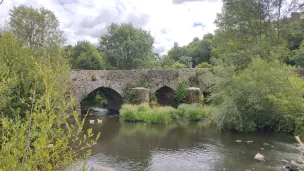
182,146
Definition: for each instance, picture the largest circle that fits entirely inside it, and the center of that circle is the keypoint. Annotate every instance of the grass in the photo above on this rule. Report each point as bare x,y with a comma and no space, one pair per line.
164,114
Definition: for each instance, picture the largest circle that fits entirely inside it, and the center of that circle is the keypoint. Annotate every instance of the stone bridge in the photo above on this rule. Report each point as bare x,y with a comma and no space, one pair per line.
113,82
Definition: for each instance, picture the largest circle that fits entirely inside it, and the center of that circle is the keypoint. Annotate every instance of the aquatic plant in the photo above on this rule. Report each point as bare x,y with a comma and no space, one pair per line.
164,114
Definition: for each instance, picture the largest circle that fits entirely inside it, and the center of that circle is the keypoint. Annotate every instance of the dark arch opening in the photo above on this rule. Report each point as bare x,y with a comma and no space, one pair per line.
102,97
165,96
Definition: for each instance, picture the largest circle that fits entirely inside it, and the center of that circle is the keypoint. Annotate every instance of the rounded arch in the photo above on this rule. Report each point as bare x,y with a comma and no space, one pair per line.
113,98
165,96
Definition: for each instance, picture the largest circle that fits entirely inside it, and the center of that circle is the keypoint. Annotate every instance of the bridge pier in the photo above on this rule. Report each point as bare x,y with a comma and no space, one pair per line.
141,95
194,95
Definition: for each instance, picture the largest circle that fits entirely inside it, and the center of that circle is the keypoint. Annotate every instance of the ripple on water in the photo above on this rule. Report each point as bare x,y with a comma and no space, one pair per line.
182,147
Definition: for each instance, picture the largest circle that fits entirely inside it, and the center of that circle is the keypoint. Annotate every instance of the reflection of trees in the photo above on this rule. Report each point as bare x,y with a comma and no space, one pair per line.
127,141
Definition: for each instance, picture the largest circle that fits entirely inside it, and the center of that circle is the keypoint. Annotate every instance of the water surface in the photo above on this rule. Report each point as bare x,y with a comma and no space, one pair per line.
182,146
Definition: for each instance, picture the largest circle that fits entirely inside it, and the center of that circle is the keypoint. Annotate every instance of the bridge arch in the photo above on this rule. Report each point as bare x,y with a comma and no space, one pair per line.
165,96
114,99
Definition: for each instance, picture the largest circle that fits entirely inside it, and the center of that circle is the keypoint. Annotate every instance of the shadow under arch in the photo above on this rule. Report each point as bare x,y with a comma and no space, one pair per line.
165,96
113,98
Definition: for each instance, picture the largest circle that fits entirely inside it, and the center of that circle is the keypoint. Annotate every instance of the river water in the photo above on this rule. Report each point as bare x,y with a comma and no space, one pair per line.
183,146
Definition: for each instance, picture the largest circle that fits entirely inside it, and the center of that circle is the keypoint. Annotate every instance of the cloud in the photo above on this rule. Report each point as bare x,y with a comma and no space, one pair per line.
183,1
166,21
198,24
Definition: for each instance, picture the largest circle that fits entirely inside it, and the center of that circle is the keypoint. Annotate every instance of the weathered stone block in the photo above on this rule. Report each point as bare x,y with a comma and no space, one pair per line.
141,95
194,95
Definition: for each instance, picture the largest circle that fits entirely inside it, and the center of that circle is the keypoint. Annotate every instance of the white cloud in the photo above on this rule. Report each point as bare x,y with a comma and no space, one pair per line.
167,20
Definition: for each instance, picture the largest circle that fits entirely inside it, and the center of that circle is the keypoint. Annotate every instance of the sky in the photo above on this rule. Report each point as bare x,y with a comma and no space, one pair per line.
168,21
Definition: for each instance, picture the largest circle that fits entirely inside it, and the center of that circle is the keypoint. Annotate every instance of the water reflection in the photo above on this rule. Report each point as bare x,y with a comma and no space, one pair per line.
185,146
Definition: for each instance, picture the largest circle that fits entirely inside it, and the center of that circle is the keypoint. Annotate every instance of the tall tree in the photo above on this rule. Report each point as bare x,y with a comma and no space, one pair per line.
35,28
200,50
126,47
84,55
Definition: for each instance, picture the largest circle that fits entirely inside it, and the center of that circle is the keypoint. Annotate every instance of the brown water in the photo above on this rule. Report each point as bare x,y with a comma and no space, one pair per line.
182,146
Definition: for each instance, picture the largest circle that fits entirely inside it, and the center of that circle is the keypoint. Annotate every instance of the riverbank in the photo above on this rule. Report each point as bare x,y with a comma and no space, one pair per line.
164,114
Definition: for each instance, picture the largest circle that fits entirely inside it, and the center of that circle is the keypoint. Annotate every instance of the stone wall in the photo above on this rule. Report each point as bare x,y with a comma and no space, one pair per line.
82,83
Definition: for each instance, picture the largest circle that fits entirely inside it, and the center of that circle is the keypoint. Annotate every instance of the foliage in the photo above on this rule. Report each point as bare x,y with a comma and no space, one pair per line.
126,47
200,50
204,65
84,55
181,93
35,28
195,80
163,114
194,112
186,60
91,60
25,142
34,101
260,97
178,65
202,99
93,77
299,56
96,98
167,61
18,70
129,94
144,113
192,54
176,52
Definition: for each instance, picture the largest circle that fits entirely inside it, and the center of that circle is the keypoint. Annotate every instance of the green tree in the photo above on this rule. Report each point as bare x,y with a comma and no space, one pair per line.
37,141
35,28
84,55
167,61
200,50
266,95
186,60
126,47
18,65
176,52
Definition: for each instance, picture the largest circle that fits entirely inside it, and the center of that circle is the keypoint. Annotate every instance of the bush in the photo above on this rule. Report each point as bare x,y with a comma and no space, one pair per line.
24,141
260,97
204,65
129,112
164,114
181,93
144,113
93,77
178,65
202,100
194,112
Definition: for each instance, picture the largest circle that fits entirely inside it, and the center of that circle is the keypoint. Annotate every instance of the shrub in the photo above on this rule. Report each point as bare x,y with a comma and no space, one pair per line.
164,114
178,65
129,113
144,113
181,93
202,99
93,77
204,65
24,141
263,96
194,112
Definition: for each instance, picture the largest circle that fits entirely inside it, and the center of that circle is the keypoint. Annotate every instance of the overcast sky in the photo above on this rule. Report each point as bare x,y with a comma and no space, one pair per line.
167,20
